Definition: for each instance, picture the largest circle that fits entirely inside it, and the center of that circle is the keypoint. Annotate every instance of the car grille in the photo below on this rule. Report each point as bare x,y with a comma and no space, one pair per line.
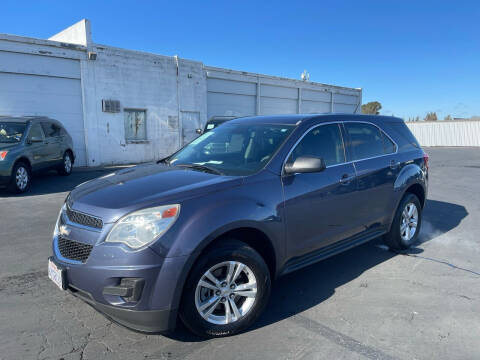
74,250
84,219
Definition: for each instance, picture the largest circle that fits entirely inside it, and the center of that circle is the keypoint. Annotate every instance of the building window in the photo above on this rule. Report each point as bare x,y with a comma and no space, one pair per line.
172,122
135,125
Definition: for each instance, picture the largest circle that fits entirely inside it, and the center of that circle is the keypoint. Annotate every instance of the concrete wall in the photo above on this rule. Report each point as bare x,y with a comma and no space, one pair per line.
446,133
79,33
139,81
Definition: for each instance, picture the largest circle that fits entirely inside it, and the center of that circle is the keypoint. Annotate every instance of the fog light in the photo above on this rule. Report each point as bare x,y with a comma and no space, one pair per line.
130,289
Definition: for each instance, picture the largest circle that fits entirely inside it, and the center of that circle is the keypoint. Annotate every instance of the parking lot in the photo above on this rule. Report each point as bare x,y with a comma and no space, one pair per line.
365,303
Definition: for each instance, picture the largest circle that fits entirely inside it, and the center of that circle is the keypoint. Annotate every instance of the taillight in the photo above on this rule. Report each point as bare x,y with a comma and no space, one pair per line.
3,154
425,159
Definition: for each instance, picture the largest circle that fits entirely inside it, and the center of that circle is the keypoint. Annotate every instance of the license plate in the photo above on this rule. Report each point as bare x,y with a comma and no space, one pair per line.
56,274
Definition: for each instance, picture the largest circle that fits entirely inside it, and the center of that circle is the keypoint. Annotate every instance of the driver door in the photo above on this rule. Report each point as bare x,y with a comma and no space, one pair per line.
319,209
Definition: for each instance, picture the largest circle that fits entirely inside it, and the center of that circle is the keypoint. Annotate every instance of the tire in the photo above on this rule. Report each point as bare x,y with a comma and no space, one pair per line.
67,163
398,238
250,266
21,178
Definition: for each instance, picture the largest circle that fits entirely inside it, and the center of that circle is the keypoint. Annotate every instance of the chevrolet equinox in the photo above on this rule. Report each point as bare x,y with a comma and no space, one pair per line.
200,235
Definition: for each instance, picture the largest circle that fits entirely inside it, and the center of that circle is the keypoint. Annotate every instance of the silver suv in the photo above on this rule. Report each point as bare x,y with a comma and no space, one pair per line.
31,144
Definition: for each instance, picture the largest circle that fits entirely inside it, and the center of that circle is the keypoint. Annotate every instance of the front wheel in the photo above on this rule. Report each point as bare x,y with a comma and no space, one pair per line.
406,223
21,177
226,291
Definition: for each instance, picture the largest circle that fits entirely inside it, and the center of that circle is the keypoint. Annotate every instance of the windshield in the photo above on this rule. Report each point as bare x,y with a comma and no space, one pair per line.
234,149
11,132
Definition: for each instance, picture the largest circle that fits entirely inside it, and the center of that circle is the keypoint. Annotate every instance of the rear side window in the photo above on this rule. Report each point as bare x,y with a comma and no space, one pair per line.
402,135
325,142
368,141
36,132
388,145
50,129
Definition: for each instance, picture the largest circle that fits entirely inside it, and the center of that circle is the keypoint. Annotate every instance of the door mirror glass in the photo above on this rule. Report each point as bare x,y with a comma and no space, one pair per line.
305,164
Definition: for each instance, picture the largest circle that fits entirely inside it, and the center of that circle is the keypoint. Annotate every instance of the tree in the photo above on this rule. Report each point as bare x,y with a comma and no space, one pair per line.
431,116
373,107
448,118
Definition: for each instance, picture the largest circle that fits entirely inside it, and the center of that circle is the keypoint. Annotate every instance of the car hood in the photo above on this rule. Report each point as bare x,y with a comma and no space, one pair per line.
114,195
8,146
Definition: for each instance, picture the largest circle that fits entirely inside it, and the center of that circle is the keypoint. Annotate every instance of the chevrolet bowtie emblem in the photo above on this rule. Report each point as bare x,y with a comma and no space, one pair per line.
64,230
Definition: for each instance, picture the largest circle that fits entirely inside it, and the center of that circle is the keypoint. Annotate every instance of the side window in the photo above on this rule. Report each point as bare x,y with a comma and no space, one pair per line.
388,145
366,140
36,132
324,141
50,129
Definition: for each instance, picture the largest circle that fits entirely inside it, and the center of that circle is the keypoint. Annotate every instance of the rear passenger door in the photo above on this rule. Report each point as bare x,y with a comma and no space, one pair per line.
318,206
374,155
37,149
53,142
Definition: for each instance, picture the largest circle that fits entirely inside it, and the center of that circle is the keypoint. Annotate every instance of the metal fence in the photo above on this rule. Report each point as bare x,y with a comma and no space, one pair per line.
446,133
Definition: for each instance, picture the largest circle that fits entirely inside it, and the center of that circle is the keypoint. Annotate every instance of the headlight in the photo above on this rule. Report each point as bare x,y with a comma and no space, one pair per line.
143,227
56,231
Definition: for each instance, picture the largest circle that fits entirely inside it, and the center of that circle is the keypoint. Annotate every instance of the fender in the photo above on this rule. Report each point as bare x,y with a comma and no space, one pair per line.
198,218
195,231
409,175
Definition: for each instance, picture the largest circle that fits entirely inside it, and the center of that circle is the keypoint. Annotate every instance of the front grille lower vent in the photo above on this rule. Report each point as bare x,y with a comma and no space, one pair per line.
74,250
84,219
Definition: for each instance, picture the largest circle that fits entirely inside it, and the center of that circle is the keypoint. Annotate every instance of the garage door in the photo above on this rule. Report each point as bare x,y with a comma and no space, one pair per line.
45,86
230,98
233,93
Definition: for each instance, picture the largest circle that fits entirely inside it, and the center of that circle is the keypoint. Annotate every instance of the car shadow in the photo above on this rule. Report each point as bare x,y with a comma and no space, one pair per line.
49,182
310,286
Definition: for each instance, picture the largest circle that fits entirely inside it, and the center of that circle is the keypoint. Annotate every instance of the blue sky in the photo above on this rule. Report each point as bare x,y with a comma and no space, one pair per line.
412,56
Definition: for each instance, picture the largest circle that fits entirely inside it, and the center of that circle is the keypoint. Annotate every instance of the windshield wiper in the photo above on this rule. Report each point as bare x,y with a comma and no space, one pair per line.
164,161
201,167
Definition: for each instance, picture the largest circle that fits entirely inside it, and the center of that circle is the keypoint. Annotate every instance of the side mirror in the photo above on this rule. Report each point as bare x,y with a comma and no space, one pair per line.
305,164
35,139
199,131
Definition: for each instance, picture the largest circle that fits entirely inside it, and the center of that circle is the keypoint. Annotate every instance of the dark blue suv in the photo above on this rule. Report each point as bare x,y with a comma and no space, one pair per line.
201,234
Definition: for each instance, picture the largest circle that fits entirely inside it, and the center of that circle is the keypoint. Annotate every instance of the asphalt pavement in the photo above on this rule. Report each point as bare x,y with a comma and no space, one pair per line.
367,303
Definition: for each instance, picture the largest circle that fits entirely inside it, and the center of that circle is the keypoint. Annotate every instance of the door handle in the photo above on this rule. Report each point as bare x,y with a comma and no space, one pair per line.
346,179
394,164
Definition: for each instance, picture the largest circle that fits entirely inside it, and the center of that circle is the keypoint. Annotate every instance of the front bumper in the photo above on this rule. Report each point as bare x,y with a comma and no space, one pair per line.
155,310
5,172
150,321
136,288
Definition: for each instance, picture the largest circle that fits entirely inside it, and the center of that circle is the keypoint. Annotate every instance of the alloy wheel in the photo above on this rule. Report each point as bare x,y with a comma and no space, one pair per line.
21,178
67,162
226,292
409,222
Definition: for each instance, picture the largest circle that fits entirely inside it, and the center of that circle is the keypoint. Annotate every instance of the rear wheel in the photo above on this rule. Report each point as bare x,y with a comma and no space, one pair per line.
226,291
406,223
20,178
67,164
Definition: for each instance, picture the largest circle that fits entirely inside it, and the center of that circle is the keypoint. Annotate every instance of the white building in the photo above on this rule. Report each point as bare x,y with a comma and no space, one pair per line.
124,106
